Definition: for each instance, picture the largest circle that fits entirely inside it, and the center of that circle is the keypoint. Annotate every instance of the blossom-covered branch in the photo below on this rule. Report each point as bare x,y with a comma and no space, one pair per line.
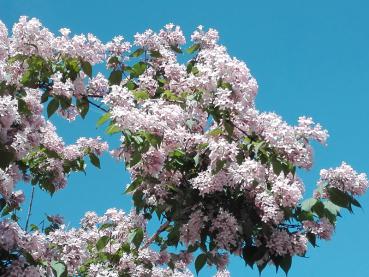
222,174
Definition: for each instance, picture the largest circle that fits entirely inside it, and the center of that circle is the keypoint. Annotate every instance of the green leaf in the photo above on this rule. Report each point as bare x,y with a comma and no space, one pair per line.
65,102
131,85
192,248
87,68
135,158
94,160
2,203
169,95
355,202
136,237
318,208
137,53
102,242
140,95
308,204
112,129
115,77
176,49
138,69
178,153
52,107
286,263
33,227
106,225
83,106
194,70
105,117
45,97
113,60
173,236
200,262
252,254
59,269
215,132
193,48
332,208
339,198
134,185
155,54
312,238
190,65
228,127
219,166
154,140
23,107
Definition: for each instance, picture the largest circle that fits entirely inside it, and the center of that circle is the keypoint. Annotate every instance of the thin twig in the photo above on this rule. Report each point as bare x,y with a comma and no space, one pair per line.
30,208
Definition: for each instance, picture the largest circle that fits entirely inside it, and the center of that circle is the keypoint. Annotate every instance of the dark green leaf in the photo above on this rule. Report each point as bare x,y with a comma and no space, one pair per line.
286,263
339,197
94,160
200,262
192,248
155,54
115,77
106,225
134,185
65,102
176,49
45,97
136,237
113,60
87,68
219,166
23,107
228,127
355,202
252,254
83,106
312,238
318,208
52,107
190,65
173,237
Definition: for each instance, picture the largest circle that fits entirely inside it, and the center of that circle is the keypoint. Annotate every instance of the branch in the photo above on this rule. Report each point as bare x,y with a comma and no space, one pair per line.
157,233
97,106
30,208
95,95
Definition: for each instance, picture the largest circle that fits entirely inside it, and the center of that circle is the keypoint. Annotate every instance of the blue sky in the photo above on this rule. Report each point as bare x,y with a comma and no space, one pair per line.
309,57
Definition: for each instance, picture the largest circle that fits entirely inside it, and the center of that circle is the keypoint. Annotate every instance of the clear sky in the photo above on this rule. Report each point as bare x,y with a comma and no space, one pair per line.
309,57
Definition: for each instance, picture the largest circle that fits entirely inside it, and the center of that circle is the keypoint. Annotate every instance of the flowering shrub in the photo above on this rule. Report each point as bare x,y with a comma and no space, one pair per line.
219,174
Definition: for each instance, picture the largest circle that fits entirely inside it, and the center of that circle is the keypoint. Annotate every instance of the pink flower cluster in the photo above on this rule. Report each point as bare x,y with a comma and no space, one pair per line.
344,178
